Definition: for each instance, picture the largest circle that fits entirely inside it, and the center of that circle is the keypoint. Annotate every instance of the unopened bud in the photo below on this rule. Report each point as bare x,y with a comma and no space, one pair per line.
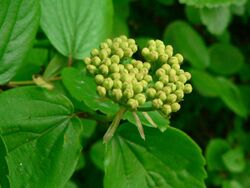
159,85
133,103
104,69
157,103
140,98
175,107
179,57
187,88
171,98
101,91
99,79
151,92
117,93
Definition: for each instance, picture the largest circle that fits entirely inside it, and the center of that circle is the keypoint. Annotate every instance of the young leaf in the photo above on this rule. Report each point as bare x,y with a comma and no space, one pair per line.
225,59
41,137
75,27
215,19
83,88
169,159
97,154
188,42
18,25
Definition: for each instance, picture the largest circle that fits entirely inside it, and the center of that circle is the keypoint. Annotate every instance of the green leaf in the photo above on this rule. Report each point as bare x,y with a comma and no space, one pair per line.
231,96
205,83
4,170
75,27
231,184
71,184
245,93
234,160
188,42
167,160
19,21
214,151
83,88
212,3
32,64
54,67
41,137
161,122
89,127
216,19
193,14
97,154
226,59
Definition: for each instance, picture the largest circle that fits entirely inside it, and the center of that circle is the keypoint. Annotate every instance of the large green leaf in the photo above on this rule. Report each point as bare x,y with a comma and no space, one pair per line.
4,171
216,19
19,20
165,160
41,137
188,42
225,59
83,88
75,27
212,3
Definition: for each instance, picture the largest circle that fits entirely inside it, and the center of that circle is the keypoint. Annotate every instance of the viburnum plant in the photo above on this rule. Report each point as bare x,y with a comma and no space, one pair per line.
60,93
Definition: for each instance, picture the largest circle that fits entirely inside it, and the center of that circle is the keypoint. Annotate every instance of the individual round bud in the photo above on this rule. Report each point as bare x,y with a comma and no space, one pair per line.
119,52
146,65
163,58
104,69
172,72
166,67
171,98
118,40
92,69
103,54
95,52
176,67
115,59
148,78
160,72
121,67
87,60
123,38
182,78
108,83
164,79
128,93
139,76
159,85
144,71
117,93
161,95
96,61
107,61
140,98
160,50
109,42
138,88
131,41
129,66
153,56
114,68
99,79
187,88
116,76
172,86
151,92
169,50
151,43
173,60
166,109
157,103
104,45
133,103
179,85
167,90
175,107
128,52
117,84
134,70
179,57
115,45
179,93
173,78
124,45
144,83
188,75
101,91
145,52
134,48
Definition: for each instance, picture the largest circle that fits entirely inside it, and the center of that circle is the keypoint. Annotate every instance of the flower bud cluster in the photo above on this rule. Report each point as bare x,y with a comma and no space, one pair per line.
131,82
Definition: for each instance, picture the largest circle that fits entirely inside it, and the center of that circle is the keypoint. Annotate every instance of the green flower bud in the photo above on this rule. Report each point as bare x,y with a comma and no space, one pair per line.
167,90
139,76
187,88
133,103
157,103
161,51
103,54
175,107
176,67
107,61
138,88
153,56
117,93
115,45
148,78
109,42
87,60
173,60
101,91
140,98
128,52
108,83
96,61
104,45
179,93
169,50
99,79
118,40
117,84
179,57
119,52
166,67
134,70
151,43
124,38
92,69
161,95
172,86
182,78
172,72
124,45
179,85
129,66
131,41
163,58
115,59
116,76
188,75
128,93
160,72
146,65
166,109
151,92
145,52
104,69
121,67
134,48
143,83
144,71
114,68
152,48
164,79
171,98
173,78
159,43
159,85
138,64
95,52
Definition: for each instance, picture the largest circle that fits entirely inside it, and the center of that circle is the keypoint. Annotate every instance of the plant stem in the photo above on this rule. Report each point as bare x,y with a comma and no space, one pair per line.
29,82
70,61
115,123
